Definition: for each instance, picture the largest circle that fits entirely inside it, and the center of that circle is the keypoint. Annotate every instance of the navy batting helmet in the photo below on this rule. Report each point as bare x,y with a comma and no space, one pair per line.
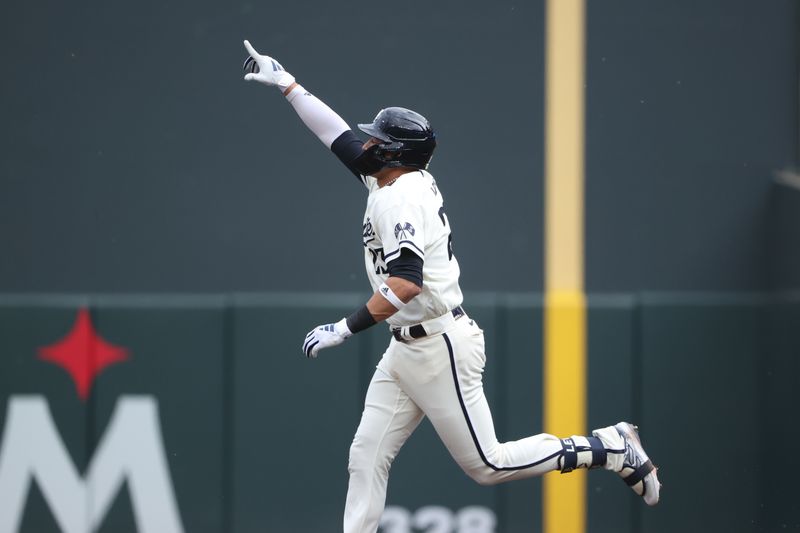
407,139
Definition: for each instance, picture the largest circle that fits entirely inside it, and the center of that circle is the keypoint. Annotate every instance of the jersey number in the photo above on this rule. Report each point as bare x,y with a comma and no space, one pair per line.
443,216
377,254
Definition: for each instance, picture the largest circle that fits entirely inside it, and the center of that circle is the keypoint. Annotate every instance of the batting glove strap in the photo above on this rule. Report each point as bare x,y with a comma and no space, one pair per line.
342,329
325,336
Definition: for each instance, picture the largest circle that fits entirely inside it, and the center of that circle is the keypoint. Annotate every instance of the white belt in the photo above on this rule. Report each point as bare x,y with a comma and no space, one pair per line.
430,327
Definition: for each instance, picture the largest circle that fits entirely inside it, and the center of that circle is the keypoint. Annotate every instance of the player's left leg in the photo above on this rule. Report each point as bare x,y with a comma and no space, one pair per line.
455,402
443,375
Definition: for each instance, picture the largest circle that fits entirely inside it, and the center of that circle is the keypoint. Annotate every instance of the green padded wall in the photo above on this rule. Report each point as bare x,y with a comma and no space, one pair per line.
26,325
177,354
256,436
779,369
612,391
699,405
293,418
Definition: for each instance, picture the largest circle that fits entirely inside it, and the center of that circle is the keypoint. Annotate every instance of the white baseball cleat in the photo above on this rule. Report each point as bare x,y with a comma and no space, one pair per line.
638,471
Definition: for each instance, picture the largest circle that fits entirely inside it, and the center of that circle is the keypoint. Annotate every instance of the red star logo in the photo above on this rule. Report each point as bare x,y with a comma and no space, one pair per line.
83,353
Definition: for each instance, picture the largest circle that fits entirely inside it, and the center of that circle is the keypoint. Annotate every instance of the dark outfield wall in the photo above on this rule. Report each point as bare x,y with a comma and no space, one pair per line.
134,157
691,109
138,159
784,241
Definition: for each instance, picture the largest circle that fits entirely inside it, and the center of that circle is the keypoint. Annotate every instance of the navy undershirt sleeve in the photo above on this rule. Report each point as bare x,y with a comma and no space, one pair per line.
347,148
408,266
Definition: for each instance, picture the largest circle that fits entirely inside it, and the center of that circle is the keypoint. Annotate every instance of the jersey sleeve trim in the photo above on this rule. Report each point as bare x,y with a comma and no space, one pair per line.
405,244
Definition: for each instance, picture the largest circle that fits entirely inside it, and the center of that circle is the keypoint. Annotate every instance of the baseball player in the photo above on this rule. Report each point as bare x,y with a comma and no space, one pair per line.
435,358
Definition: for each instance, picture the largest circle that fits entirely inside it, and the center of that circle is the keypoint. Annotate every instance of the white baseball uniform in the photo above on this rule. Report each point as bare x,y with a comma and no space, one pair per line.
434,363
438,375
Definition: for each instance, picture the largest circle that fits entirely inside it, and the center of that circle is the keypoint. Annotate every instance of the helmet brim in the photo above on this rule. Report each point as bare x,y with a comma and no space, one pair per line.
371,130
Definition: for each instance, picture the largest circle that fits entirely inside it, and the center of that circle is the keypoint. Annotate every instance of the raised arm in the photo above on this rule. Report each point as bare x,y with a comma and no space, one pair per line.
323,121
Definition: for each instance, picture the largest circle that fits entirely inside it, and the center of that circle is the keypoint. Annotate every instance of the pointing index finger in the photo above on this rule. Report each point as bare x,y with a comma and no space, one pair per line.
250,49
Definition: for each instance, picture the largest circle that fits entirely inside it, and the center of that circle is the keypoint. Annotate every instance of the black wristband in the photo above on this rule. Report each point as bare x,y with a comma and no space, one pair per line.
360,320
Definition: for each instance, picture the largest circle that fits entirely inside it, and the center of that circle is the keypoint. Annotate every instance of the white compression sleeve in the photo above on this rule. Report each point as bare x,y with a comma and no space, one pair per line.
318,117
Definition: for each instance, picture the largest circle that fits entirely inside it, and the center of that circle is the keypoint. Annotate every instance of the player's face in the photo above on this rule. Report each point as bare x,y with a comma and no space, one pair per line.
371,142
384,172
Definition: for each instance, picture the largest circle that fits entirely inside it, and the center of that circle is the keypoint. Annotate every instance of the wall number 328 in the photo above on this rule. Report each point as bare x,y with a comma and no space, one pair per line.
436,519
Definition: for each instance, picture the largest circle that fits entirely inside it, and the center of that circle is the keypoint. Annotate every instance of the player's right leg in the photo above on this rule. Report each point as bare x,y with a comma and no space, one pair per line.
389,418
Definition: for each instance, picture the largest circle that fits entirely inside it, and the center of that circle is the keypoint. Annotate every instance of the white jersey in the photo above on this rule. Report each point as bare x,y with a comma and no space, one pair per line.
440,373
409,213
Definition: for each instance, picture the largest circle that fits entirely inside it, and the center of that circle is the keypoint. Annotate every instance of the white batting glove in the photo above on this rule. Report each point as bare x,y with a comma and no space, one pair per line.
265,69
325,336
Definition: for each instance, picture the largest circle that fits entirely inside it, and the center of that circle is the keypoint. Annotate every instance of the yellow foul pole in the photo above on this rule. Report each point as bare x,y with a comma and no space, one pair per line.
565,302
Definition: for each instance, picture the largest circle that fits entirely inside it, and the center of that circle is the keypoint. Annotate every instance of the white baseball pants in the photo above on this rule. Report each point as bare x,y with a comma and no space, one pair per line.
438,376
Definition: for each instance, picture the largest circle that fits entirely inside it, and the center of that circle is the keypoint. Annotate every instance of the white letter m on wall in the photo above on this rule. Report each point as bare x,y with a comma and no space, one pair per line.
131,448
